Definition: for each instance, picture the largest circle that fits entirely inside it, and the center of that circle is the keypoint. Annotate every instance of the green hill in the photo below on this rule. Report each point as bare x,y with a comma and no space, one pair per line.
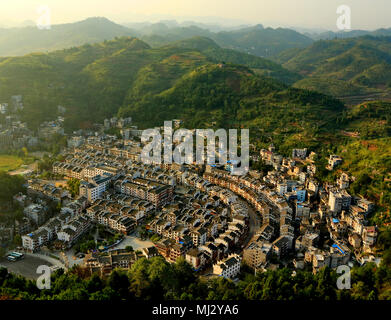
329,35
255,40
369,162
20,41
94,80
343,67
362,137
259,41
233,96
264,42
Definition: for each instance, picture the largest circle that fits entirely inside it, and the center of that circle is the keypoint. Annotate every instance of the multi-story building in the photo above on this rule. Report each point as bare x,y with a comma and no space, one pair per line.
105,263
36,212
257,253
339,201
94,188
334,161
282,245
229,267
369,236
72,231
156,193
34,241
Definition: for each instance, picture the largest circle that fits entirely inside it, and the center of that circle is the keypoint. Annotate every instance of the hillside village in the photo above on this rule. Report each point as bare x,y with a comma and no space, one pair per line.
215,220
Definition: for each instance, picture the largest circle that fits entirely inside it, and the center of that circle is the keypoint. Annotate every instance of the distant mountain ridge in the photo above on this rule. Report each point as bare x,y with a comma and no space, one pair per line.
255,40
330,35
20,41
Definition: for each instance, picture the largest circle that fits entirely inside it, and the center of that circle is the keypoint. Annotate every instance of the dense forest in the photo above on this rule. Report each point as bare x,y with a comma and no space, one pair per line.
9,186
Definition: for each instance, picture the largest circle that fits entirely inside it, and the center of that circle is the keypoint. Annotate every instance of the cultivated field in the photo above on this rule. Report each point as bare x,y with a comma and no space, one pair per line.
8,162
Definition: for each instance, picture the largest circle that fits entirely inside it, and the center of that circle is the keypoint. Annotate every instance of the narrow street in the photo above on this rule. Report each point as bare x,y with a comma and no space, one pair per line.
254,225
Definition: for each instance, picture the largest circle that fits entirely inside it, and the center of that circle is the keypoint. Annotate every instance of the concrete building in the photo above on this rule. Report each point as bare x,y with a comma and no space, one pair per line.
229,267
257,253
94,188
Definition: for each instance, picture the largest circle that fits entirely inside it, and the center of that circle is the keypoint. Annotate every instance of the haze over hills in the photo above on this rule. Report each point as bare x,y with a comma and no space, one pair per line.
133,75
330,35
256,40
213,27
20,41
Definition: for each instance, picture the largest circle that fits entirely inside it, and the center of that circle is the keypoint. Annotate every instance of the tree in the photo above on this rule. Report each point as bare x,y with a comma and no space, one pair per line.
73,186
119,282
17,241
94,284
326,289
129,248
10,186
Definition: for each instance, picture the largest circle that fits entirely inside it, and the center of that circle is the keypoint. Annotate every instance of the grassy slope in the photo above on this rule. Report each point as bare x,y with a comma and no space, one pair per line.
9,163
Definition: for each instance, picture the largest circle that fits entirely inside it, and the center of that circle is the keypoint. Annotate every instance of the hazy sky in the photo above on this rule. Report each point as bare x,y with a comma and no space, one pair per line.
366,14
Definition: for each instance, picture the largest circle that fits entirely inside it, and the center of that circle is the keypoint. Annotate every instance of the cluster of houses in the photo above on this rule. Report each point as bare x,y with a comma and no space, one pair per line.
103,263
200,227
203,214
117,123
120,213
14,134
315,225
195,219
49,128
64,229
48,191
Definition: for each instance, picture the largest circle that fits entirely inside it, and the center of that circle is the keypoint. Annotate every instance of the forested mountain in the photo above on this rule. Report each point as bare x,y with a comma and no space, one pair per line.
343,67
198,81
231,96
99,76
20,41
255,40
330,35
194,80
264,42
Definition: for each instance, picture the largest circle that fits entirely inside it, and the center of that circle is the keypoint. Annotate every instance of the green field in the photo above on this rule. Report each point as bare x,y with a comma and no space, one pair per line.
8,163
